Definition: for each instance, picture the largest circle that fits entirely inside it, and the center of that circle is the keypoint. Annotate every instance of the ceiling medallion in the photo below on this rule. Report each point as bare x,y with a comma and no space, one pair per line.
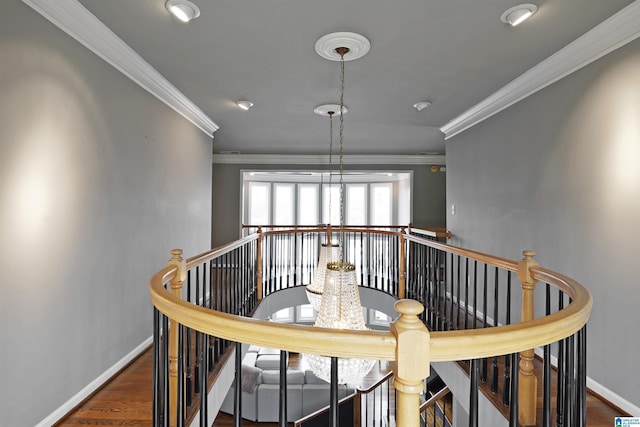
357,45
325,109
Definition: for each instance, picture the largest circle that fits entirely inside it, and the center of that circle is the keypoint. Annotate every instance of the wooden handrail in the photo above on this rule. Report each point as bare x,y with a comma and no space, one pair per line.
433,399
380,345
431,232
220,250
503,263
321,411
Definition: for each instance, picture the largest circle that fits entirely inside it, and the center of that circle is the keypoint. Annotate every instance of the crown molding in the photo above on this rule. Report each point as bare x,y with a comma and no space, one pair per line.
74,19
319,159
615,32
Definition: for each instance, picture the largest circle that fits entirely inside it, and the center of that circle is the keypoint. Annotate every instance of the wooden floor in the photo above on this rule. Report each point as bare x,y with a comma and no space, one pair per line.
123,401
126,401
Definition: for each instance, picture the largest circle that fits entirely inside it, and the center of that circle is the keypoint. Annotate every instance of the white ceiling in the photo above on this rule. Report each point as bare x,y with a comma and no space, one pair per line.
454,53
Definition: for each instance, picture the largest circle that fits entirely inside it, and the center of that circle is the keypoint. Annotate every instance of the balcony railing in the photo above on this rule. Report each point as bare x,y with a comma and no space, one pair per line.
475,312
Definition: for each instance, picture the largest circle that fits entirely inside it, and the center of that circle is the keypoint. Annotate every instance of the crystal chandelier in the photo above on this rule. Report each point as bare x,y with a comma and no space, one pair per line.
329,252
340,306
340,309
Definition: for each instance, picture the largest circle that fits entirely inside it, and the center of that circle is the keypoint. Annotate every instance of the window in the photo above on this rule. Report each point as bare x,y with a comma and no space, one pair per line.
285,315
378,318
306,313
356,204
331,204
310,198
283,204
308,204
381,206
259,198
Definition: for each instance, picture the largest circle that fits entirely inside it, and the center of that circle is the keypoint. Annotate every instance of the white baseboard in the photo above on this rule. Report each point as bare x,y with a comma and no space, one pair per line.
614,398
601,390
94,385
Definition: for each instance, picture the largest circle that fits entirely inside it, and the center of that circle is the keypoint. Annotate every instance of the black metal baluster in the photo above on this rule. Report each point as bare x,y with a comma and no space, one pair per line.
209,285
196,382
204,413
483,365
494,362
473,395
506,389
282,418
295,260
466,294
436,284
165,371
271,257
570,383
333,393
218,303
450,280
187,349
582,376
475,294
158,391
561,387
181,393
237,391
546,369
458,295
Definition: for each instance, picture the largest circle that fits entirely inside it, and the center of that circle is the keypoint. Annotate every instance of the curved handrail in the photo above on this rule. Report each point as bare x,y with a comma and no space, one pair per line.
503,263
336,229
381,345
221,250
378,345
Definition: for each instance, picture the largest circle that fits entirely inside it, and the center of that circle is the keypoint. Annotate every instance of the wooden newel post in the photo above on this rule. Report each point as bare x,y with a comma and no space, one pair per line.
259,266
401,261
527,381
412,358
176,290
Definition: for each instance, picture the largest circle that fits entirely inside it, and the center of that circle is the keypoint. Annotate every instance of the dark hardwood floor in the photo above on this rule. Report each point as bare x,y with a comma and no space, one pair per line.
126,401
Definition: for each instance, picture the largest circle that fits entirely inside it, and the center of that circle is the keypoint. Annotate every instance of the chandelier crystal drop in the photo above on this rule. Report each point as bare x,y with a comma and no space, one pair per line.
340,308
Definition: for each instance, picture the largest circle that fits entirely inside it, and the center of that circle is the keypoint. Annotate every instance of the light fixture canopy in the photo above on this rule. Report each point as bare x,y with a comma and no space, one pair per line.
184,10
518,14
357,46
325,109
421,105
245,105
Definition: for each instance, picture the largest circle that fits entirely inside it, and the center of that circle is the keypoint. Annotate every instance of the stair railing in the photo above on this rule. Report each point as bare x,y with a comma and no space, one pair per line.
408,342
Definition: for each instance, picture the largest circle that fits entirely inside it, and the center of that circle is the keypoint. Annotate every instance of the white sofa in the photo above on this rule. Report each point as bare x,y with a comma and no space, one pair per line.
306,393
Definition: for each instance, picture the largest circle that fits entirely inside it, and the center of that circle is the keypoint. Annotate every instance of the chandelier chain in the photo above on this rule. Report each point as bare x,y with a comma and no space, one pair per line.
331,113
341,154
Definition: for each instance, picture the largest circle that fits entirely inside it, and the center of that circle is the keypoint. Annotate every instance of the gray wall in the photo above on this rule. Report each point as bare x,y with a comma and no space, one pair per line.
559,173
98,181
428,196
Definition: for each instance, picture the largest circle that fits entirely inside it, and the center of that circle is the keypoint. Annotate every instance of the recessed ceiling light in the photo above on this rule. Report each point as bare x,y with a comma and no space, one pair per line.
421,105
518,14
245,105
184,10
